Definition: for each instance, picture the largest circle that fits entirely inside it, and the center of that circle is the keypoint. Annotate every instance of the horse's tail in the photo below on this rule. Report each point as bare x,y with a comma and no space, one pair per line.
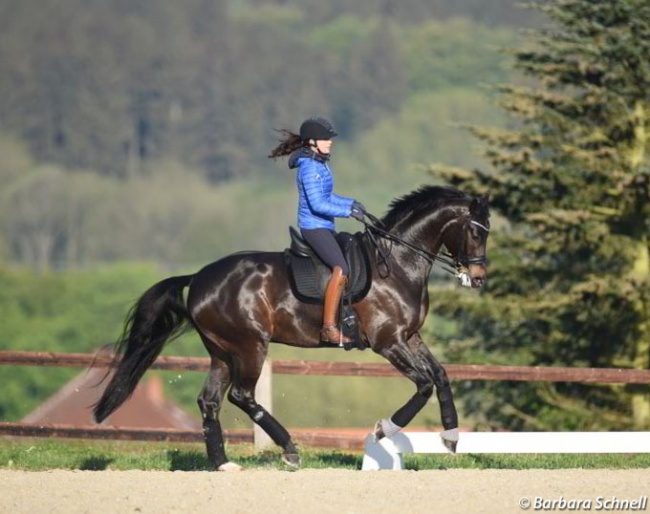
159,316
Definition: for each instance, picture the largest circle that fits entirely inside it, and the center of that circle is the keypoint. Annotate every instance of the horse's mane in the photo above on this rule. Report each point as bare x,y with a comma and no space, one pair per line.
426,198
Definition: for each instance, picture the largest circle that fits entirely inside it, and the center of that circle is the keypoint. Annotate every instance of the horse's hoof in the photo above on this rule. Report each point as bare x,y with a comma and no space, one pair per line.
450,439
450,445
230,466
291,459
378,432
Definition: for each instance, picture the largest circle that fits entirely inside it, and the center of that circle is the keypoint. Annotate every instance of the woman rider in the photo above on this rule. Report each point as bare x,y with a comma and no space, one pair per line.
318,205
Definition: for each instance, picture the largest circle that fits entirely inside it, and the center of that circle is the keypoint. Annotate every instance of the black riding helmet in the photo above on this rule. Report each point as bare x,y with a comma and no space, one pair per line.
316,128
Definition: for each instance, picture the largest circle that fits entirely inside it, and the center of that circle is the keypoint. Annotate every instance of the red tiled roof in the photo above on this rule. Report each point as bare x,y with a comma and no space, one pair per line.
147,407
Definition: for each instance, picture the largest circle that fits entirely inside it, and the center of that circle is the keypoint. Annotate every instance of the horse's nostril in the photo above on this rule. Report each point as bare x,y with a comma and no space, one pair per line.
478,281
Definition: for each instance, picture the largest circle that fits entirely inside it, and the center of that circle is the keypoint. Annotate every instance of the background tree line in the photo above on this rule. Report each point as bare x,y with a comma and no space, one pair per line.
138,131
101,103
113,86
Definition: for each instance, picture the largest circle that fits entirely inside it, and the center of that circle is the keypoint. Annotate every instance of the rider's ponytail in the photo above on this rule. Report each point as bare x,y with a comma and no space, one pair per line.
289,142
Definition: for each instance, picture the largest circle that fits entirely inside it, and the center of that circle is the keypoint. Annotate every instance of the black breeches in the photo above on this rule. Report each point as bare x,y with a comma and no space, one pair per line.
326,247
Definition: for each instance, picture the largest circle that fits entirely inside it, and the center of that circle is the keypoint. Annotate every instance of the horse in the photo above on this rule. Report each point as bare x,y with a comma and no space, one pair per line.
241,303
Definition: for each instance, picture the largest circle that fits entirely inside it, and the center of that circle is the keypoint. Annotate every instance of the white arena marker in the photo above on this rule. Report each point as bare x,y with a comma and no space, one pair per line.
387,453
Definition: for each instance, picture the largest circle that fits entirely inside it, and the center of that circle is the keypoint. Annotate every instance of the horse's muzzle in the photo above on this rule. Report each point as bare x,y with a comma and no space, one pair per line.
478,275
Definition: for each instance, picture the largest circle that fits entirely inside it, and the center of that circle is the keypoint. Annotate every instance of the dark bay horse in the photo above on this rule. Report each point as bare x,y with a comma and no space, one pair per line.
243,302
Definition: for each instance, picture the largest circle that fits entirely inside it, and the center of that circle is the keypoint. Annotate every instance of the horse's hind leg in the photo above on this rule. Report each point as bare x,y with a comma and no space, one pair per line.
210,401
246,372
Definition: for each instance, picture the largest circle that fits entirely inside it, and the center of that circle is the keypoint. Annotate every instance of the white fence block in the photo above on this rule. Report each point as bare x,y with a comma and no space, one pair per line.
387,453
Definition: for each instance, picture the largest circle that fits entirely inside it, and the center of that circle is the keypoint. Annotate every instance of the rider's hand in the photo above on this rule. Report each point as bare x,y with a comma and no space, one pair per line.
358,211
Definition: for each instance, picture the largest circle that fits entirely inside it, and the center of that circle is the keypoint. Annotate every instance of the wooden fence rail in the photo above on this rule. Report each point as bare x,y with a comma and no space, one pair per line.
324,438
301,367
365,369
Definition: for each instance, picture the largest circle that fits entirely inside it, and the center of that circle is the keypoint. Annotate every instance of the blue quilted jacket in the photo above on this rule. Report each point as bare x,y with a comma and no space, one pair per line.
318,205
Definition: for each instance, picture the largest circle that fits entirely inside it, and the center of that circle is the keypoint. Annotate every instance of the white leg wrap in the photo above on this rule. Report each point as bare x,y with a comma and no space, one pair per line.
450,435
388,427
230,466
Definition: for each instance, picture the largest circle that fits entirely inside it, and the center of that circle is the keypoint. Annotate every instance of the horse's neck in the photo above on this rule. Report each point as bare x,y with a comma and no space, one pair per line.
427,233
410,269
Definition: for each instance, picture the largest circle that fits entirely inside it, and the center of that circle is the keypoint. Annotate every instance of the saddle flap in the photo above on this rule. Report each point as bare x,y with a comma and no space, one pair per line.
308,275
298,245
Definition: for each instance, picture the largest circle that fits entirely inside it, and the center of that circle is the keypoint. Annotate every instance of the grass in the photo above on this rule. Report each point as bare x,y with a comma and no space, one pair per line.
527,461
45,454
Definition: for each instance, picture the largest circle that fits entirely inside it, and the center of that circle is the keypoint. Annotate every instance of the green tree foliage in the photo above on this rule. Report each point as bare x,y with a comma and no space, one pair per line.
139,130
52,219
138,146
116,87
457,53
570,280
492,12
73,312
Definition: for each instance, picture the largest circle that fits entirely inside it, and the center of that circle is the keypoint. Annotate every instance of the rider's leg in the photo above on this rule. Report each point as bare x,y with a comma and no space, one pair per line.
329,332
328,249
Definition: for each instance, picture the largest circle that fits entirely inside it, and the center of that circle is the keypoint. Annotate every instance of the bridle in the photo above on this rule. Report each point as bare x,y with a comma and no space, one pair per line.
463,259
446,261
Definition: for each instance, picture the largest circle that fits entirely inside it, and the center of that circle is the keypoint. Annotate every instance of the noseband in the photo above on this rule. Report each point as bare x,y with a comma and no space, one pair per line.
467,261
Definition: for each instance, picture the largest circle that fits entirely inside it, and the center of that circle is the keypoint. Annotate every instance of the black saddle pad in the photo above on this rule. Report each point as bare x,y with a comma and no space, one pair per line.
308,275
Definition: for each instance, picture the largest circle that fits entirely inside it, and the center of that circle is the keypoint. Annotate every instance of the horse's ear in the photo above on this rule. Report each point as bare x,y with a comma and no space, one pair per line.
474,206
479,205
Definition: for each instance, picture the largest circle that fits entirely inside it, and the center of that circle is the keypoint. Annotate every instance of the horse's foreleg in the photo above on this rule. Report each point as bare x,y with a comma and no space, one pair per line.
242,394
210,401
448,413
413,359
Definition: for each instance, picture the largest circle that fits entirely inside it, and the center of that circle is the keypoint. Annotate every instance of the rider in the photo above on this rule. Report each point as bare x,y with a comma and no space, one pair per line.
318,205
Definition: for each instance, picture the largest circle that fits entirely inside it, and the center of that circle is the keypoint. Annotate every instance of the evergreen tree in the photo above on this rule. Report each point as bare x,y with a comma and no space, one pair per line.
569,283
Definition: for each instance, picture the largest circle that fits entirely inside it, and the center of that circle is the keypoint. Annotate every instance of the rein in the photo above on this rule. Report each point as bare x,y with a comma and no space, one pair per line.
446,261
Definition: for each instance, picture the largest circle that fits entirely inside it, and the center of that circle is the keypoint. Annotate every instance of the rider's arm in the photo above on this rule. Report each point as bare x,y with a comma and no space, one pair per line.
322,201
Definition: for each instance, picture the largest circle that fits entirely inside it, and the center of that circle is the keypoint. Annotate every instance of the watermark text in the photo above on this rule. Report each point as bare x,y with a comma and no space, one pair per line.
599,503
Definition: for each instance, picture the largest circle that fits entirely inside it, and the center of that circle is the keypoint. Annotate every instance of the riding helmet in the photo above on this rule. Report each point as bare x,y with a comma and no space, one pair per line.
316,128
